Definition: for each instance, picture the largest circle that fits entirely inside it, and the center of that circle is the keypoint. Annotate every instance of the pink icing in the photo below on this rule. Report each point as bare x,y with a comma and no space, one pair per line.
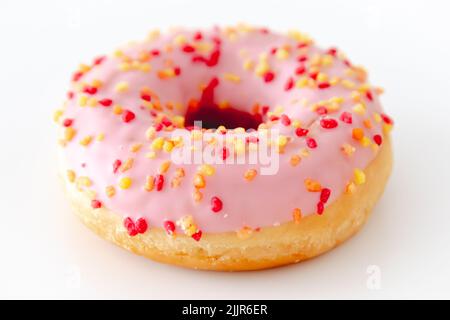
267,200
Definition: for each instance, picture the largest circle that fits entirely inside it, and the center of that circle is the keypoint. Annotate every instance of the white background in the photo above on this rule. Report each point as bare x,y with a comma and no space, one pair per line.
45,252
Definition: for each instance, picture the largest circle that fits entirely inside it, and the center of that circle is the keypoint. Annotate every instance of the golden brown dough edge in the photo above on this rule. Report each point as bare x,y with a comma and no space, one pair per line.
270,247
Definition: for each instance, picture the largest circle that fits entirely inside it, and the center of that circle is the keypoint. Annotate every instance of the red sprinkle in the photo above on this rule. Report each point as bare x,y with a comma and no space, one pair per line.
285,120
96,204
129,224
141,225
70,95
302,58
169,226
328,123
128,116
166,122
346,117
188,48
198,36
323,85
265,109
310,142
332,51
289,84
322,110
216,204
313,75
99,60
155,52
146,97
197,236
325,195
369,95
90,90
300,132
159,181
177,71
378,139
116,165
158,127
67,122
300,70
268,76
320,207
76,76
274,118
105,102
225,153
386,119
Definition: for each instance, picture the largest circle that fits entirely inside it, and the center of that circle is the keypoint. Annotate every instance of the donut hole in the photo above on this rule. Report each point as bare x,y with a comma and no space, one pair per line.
213,116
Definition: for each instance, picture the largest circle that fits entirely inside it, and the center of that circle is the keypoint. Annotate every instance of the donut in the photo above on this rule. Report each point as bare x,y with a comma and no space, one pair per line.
292,152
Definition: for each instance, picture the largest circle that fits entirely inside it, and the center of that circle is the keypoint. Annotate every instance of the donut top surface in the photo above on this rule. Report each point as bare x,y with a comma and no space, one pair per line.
118,123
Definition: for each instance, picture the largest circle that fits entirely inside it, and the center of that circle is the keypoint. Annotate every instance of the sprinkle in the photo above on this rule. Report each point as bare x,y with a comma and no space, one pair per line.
67,122
159,182
285,120
116,165
110,191
158,143
71,175
300,132
84,181
359,176
197,236
125,183
141,225
310,142
199,181
377,139
69,133
300,70
168,146
357,134
57,115
386,119
86,141
322,110
295,160
207,169
100,136
216,204
197,195
312,185
130,226
127,165
347,149
117,109
325,195
121,87
346,117
296,215
169,226
149,183
268,76
320,207
250,174
350,188
127,116
96,204
232,77
289,84
327,123
323,85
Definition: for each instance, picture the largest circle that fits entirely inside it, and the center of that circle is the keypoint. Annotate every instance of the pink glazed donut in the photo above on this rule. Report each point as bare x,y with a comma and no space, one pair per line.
133,152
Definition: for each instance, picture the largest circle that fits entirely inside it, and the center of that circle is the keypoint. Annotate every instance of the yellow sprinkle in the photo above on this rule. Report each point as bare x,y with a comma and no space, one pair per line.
125,183
71,175
164,167
117,110
96,83
121,87
248,65
347,149
110,191
296,215
82,100
350,188
179,40
359,176
57,115
282,54
69,133
135,147
84,181
250,174
118,53
150,155
158,143
124,66
312,185
359,108
295,160
232,77
86,141
282,141
149,183
365,141
377,117
100,137
127,165
207,170
168,146
178,121
199,181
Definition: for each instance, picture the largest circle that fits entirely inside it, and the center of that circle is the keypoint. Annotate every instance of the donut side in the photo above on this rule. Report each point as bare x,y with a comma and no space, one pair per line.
269,247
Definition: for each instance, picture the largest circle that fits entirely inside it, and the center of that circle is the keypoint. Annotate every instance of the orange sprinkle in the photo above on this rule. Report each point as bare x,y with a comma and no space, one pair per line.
149,183
250,174
199,181
357,133
297,215
312,185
